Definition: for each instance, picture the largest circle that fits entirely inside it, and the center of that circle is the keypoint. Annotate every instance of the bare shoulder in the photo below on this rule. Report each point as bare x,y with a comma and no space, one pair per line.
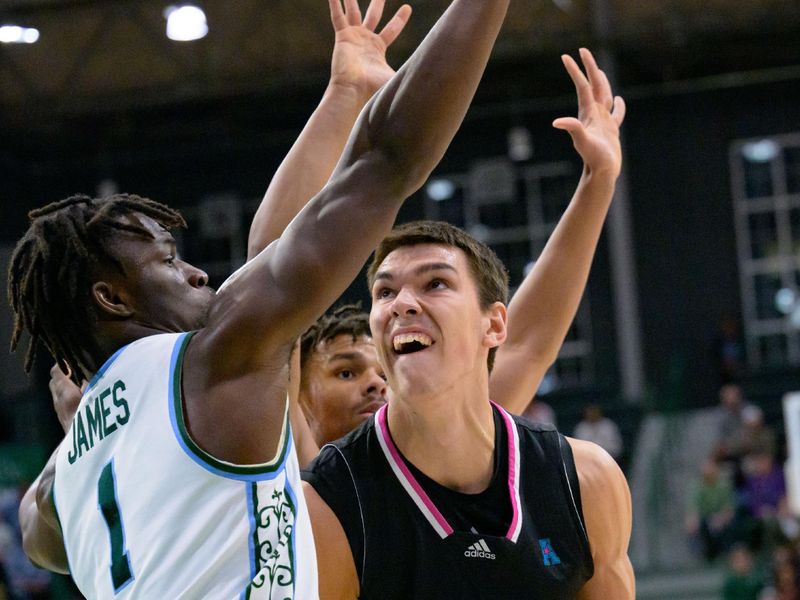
338,579
595,466
605,496
606,502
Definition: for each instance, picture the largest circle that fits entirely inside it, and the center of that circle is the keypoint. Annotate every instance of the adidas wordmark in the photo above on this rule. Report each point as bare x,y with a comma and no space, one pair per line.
479,550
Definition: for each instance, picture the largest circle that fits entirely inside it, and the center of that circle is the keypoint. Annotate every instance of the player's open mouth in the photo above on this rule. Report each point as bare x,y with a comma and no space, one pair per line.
407,343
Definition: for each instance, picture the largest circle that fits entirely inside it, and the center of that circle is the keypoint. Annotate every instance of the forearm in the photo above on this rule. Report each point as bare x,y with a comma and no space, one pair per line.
415,116
308,165
544,306
398,139
41,534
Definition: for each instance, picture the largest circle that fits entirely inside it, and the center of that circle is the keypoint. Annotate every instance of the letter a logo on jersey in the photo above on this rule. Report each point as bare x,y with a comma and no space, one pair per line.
548,554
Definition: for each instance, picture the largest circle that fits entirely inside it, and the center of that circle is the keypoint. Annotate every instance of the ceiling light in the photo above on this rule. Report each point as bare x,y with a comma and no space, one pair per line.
14,34
185,23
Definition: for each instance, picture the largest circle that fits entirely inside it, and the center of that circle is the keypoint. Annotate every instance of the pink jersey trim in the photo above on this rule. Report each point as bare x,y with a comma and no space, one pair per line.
407,479
513,474
423,501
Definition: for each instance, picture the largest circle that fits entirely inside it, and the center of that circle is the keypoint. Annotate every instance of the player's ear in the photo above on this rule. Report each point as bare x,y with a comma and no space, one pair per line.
109,301
496,320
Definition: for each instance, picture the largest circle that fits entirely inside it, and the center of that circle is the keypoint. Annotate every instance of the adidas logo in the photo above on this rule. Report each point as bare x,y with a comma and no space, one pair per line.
479,550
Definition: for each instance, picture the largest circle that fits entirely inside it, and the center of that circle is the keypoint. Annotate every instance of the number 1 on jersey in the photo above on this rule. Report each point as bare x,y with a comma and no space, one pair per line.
121,573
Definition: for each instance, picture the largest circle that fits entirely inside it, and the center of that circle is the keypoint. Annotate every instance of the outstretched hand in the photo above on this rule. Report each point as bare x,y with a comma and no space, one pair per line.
359,54
595,133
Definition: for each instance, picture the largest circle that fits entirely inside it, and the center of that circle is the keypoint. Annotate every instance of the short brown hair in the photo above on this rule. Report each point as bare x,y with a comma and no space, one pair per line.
487,269
348,319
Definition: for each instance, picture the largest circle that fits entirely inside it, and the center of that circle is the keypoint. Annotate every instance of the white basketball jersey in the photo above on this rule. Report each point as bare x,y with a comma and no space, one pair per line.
146,513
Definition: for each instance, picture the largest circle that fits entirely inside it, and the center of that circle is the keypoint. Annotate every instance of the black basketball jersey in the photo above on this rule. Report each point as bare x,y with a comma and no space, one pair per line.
406,546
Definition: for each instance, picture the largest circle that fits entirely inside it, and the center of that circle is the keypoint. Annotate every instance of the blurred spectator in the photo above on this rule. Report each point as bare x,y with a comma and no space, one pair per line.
784,575
727,350
26,581
732,405
711,511
754,436
742,582
787,522
6,541
600,430
540,412
764,485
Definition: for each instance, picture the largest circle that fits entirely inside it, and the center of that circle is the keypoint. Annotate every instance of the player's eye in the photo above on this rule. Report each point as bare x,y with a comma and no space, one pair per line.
383,293
170,260
437,284
345,374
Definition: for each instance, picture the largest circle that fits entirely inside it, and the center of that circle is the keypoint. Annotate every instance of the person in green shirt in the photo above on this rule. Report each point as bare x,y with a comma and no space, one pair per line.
711,511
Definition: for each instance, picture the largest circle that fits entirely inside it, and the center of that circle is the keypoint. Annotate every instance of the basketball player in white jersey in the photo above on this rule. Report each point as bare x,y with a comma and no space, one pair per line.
178,477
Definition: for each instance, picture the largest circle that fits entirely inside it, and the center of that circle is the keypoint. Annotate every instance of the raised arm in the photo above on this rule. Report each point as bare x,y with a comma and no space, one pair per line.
358,70
399,138
235,368
541,311
606,502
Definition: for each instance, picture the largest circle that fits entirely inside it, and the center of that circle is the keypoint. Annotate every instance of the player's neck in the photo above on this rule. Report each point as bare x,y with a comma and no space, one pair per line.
450,438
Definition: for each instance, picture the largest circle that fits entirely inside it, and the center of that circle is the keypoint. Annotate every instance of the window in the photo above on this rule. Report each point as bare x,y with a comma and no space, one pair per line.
514,209
765,176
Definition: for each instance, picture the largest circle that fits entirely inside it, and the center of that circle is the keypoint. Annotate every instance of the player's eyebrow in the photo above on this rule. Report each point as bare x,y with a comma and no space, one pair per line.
420,270
345,356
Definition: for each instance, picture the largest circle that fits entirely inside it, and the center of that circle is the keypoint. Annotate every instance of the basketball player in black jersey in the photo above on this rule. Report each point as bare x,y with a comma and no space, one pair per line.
442,494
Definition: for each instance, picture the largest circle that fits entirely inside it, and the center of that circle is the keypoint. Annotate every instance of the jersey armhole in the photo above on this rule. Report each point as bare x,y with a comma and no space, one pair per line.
354,525
568,462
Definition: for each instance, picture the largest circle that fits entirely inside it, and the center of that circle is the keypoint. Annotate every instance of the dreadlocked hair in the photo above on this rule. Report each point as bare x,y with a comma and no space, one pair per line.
348,319
49,277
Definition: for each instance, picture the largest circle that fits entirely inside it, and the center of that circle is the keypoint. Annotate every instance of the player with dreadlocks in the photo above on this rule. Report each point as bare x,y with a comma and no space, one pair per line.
51,269
180,445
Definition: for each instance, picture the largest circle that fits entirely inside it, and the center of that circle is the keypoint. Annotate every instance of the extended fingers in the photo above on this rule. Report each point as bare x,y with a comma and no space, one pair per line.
619,110
338,17
352,12
601,88
582,85
395,25
374,14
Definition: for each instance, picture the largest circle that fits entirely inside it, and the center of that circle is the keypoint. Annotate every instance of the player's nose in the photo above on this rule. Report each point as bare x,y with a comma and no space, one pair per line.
405,303
196,277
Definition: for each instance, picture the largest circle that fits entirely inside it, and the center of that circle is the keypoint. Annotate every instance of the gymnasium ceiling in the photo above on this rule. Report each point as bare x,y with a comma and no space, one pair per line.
103,57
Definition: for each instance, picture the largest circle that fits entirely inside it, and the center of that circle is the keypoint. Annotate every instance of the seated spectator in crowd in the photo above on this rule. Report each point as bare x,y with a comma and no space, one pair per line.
763,494
711,511
784,575
764,485
755,437
731,407
600,430
743,582
25,581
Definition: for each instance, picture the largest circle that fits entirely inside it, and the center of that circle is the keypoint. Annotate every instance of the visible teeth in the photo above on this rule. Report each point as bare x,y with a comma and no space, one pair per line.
407,338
